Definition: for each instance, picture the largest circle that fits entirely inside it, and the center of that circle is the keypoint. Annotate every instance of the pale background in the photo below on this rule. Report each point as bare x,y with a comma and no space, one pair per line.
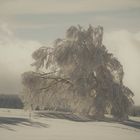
25,25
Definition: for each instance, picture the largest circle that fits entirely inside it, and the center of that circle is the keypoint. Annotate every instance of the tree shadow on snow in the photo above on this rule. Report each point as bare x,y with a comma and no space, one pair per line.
76,118
6,121
61,115
132,123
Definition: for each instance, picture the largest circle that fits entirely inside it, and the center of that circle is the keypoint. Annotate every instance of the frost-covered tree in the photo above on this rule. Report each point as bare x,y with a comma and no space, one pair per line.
78,74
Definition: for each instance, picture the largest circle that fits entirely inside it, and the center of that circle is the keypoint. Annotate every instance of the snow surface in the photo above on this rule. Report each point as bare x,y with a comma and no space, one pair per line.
15,125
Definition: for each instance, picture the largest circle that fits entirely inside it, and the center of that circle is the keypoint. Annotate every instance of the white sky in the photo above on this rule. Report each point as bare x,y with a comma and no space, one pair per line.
26,24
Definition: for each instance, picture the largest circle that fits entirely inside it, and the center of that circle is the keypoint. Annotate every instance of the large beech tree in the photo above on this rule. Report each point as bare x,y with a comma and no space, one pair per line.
79,75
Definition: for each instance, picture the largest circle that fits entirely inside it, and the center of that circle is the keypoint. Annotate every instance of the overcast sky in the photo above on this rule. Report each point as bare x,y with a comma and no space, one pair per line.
27,24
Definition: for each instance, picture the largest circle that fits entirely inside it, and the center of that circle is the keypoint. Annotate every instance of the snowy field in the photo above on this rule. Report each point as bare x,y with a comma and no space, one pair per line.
15,125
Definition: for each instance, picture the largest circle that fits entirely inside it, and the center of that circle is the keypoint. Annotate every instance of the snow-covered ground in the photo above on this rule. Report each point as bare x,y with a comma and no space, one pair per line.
15,125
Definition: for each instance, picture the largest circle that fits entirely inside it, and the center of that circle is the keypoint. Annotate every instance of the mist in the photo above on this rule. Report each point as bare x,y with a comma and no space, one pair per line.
15,58
125,46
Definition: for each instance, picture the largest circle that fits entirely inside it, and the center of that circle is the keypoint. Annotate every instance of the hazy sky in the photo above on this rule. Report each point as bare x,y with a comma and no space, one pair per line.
27,24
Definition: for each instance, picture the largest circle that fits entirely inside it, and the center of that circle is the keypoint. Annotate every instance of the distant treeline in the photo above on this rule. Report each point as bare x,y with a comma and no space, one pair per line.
10,101
135,111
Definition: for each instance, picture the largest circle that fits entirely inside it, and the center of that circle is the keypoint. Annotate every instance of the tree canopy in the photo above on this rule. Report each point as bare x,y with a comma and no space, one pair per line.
78,74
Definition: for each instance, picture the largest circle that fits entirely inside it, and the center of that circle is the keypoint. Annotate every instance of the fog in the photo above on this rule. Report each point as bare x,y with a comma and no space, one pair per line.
126,47
15,58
